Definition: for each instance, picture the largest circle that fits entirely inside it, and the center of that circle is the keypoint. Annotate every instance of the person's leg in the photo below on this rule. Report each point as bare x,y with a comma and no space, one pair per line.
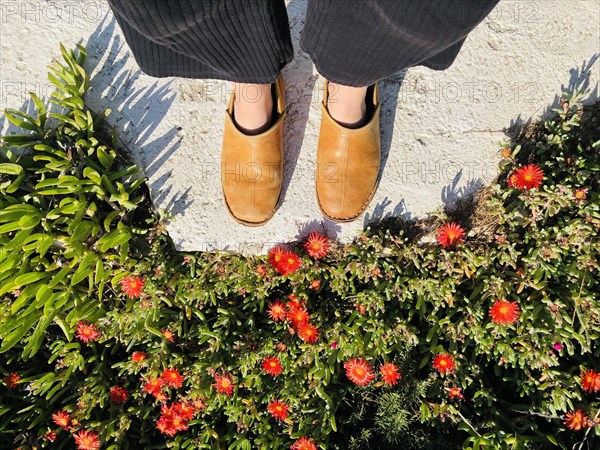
243,42
347,105
357,42
253,107
353,45
247,43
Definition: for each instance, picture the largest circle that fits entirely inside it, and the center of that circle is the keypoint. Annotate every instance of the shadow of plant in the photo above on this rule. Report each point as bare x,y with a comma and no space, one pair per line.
140,111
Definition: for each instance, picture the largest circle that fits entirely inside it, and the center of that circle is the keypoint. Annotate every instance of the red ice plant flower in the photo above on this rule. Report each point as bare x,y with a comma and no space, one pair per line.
172,419
315,284
304,443
185,410
278,410
283,261
86,440
281,347
443,363
168,335
132,286
390,374
580,194
276,311
272,366
289,264
294,303
118,394
317,245
276,255
527,177
307,332
455,392
171,377
297,316
590,380
261,270
11,380
138,357
154,386
450,234
359,371
576,420
504,313
506,153
86,332
50,436
62,419
223,384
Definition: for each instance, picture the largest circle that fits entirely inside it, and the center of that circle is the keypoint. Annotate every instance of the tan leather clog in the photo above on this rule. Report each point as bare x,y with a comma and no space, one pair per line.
252,166
348,162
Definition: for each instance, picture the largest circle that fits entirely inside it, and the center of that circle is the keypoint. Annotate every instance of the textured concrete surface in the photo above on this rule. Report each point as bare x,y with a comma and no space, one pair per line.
440,130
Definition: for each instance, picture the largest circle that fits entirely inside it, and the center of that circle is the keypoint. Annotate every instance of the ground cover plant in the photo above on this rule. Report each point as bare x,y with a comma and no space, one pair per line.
475,328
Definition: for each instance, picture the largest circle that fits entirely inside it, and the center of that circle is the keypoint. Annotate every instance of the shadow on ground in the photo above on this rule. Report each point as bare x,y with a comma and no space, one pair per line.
140,110
461,202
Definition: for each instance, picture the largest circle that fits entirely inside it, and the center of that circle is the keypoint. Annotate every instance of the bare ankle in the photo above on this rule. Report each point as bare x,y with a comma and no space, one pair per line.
347,104
253,107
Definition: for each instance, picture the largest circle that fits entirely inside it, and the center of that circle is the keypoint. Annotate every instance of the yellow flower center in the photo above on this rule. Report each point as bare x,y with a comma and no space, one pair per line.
360,372
503,309
443,363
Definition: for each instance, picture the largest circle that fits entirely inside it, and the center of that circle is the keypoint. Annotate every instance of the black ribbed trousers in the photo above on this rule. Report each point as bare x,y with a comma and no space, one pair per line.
351,42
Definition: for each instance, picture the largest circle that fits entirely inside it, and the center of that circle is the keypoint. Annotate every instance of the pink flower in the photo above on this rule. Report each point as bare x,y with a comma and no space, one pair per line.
558,346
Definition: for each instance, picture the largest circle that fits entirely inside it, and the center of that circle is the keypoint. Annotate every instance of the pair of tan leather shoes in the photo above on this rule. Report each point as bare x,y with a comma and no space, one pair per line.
347,164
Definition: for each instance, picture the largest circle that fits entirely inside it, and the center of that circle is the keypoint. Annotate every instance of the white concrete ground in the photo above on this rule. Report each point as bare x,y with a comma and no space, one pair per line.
440,130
